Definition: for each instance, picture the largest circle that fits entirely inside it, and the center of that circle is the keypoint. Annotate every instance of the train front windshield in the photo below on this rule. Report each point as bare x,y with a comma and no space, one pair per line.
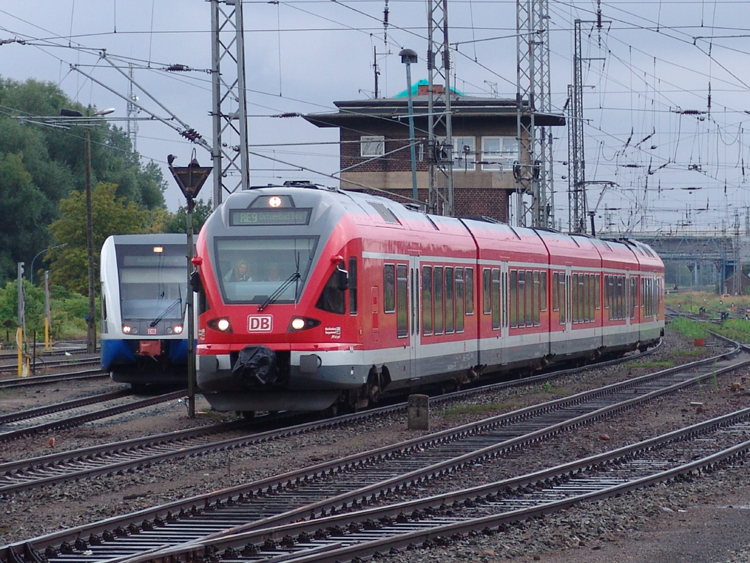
153,281
253,270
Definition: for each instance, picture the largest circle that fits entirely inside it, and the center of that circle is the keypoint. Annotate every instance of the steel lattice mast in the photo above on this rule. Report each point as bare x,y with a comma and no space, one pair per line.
439,110
533,171
577,173
229,109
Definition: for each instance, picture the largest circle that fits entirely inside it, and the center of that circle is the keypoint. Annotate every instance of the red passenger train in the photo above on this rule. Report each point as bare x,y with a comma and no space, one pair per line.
316,297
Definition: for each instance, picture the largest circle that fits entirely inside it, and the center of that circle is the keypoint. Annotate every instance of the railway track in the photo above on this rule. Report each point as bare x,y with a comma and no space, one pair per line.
28,427
330,487
16,382
137,453
362,532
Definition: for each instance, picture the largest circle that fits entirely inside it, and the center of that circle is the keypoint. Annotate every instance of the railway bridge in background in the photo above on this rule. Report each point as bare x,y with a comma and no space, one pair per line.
700,260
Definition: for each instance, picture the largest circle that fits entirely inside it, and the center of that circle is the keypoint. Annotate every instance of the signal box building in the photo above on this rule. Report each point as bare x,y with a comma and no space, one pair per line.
374,153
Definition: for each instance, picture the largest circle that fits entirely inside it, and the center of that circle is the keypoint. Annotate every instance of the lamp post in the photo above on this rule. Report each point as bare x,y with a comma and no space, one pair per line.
91,316
409,56
190,179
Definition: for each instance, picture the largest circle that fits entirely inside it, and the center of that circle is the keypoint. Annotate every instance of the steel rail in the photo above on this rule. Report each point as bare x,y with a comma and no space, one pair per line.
74,421
51,378
294,483
108,459
345,536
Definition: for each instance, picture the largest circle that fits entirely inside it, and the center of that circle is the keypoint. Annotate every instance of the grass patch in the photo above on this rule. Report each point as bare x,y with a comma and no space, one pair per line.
689,329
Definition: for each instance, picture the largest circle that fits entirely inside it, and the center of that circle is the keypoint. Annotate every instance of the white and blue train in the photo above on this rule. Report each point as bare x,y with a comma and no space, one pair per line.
144,296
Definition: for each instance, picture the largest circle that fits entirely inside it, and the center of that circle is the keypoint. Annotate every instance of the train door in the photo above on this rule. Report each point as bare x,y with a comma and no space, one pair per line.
505,352
567,309
414,290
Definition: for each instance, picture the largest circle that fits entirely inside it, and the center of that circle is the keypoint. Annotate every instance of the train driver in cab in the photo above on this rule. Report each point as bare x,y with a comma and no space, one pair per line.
239,273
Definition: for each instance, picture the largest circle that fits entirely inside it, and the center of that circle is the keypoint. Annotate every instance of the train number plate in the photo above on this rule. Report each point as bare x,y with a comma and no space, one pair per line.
259,323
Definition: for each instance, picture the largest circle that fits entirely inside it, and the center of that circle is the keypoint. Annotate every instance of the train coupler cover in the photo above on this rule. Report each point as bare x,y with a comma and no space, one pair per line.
256,365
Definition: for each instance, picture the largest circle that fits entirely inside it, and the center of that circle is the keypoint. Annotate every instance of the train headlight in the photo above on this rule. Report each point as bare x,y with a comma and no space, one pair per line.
177,329
302,323
127,329
222,324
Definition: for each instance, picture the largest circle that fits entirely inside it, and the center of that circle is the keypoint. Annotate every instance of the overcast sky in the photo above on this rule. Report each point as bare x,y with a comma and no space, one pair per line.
672,153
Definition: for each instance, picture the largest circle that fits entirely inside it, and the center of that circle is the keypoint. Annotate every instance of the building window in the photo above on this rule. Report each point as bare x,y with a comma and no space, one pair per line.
499,152
464,154
372,146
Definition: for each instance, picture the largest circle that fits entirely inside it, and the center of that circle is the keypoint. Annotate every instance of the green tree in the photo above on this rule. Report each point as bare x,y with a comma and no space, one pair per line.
111,215
52,166
178,221
20,205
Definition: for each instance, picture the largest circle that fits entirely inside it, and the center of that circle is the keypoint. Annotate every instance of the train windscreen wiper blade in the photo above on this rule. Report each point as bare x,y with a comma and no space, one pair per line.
275,295
153,323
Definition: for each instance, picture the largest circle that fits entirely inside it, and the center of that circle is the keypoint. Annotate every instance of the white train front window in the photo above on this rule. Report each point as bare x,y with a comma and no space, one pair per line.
251,270
152,285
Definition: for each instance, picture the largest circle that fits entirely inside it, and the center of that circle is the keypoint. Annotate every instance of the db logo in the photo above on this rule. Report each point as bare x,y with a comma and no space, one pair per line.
260,323
151,330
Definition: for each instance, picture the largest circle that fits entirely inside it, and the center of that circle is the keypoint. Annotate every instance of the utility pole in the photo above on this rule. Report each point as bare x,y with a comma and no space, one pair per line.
577,205
229,153
533,170
440,156
132,110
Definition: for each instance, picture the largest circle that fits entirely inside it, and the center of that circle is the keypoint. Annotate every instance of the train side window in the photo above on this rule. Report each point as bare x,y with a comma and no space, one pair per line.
513,299
402,302
633,296
449,301
495,298
469,290
555,292
523,299
460,293
574,297
439,311
352,286
486,297
427,300
333,298
389,288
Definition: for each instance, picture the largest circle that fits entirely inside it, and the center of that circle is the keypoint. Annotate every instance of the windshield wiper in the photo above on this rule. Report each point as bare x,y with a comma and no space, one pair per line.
276,294
178,301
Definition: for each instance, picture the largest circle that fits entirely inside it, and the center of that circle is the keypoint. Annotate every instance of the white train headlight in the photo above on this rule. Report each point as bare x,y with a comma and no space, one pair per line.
127,329
221,324
177,329
302,323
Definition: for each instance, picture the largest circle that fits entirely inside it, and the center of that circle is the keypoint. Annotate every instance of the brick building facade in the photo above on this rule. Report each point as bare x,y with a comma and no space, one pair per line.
374,154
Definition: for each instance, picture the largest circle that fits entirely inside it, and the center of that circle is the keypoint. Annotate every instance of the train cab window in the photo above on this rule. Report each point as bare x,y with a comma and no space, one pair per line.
460,303
427,300
486,297
389,288
439,311
495,298
449,301
469,290
402,311
333,298
513,298
352,286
